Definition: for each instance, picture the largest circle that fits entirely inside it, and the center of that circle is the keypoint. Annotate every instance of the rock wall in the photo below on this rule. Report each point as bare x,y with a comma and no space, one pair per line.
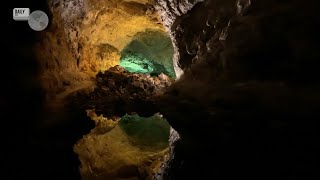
85,37
253,65
170,11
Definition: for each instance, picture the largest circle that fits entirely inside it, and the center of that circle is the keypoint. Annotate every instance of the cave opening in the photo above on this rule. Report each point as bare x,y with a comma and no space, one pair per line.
150,52
129,136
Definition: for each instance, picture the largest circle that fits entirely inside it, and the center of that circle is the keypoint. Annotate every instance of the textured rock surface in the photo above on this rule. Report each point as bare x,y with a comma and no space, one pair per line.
253,66
86,37
119,92
170,11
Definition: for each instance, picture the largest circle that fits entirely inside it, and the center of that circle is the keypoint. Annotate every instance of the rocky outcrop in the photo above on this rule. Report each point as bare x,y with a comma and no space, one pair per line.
119,92
170,12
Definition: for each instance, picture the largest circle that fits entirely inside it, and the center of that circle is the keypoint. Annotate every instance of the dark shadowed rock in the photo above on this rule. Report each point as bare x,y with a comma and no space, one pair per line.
247,103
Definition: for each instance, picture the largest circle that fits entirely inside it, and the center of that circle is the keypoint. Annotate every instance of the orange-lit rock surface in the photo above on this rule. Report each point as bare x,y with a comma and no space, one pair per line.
86,37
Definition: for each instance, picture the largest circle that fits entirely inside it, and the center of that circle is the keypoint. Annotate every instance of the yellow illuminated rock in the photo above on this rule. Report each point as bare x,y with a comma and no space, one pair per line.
107,153
87,36
115,27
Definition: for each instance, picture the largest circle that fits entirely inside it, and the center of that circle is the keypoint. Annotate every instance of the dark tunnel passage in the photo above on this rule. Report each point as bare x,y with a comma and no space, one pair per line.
246,106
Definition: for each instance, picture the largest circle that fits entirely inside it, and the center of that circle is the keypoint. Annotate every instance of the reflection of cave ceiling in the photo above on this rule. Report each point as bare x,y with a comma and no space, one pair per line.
131,147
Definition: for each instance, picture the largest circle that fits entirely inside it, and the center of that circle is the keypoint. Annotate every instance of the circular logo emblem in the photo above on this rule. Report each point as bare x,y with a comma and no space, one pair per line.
38,20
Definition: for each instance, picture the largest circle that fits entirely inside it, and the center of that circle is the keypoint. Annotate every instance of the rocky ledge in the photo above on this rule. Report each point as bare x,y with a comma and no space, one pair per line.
119,92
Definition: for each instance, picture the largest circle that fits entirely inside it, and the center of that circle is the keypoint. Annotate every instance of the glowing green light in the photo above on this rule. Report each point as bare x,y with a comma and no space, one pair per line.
136,64
150,52
146,131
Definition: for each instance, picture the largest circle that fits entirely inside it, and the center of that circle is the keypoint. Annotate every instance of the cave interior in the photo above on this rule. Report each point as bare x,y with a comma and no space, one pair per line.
162,90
